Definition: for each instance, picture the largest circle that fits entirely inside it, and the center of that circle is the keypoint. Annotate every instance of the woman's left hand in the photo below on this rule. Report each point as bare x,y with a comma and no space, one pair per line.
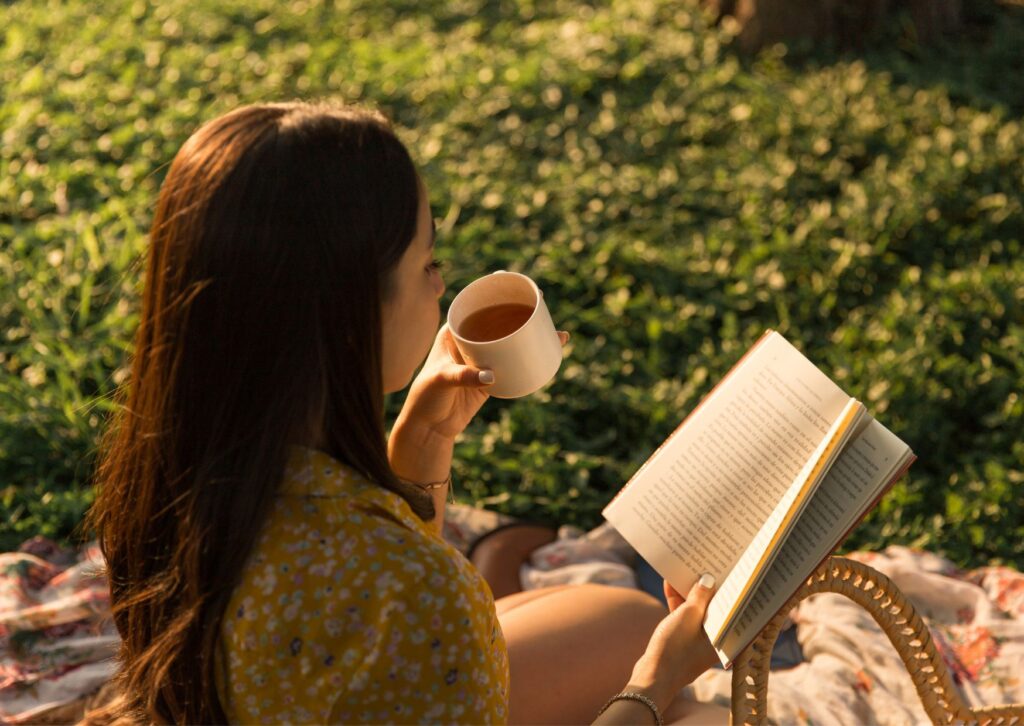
446,393
442,400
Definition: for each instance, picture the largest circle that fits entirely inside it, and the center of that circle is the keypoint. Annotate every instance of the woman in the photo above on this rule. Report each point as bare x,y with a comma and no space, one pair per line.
272,555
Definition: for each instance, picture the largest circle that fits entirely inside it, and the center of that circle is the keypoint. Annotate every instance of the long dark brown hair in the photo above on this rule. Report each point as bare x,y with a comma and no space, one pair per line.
274,236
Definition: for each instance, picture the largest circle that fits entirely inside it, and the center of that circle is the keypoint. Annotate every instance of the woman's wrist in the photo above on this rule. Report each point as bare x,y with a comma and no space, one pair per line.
418,453
421,456
651,681
630,707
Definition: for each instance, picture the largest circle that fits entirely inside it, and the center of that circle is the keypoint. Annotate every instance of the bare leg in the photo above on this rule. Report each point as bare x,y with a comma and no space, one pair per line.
510,602
499,555
572,648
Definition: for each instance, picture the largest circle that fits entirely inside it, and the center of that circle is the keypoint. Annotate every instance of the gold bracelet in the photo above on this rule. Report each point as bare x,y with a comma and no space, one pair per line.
429,486
638,697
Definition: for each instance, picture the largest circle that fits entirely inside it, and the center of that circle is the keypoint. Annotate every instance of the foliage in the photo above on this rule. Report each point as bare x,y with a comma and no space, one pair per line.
672,200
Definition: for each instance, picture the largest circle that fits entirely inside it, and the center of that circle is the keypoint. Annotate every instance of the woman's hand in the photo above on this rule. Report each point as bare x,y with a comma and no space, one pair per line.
442,400
679,649
446,393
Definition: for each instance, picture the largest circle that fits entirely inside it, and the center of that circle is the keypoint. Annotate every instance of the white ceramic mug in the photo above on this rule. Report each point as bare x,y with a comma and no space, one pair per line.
525,359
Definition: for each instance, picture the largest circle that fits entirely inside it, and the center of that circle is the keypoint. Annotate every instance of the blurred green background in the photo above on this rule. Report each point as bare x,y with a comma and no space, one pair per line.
672,198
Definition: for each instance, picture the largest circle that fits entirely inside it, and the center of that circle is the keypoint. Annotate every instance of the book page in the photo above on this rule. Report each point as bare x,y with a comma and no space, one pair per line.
697,504
862,470
752,565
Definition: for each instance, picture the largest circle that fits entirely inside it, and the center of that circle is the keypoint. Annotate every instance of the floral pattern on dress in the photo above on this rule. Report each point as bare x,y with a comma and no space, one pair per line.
352,610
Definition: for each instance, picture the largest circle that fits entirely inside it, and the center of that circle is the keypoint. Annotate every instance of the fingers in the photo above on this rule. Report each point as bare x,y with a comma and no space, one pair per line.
466,376
444,337
672,596
454,371
701,592
679,649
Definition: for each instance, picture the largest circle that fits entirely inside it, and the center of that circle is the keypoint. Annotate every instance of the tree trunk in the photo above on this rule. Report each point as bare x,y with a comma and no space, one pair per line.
846,22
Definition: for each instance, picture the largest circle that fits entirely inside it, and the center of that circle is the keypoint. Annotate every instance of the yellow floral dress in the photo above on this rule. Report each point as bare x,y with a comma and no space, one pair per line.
352,610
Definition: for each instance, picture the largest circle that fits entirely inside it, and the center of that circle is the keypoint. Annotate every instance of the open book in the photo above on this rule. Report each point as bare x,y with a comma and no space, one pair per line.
758,485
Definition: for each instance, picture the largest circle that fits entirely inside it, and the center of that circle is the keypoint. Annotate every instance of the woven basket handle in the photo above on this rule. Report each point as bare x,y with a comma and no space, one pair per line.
906,630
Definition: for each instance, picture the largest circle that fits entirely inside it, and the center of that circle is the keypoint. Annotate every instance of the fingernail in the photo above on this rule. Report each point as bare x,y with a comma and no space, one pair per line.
707,581
486,376
566,334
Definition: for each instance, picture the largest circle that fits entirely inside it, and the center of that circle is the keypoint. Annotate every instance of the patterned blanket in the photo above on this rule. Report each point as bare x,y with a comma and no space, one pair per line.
56,637
851,674
57,640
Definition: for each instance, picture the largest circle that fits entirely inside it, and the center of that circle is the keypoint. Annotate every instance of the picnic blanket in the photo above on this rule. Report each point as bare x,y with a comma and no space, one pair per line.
57,641
851,674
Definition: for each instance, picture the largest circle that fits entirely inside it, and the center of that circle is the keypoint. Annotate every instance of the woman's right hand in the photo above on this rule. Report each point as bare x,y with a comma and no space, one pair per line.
679,649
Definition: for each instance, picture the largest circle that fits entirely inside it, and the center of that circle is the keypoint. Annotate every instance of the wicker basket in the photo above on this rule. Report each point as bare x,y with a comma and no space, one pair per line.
879,596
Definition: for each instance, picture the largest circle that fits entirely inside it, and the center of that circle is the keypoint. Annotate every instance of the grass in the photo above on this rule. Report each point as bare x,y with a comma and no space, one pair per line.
672,199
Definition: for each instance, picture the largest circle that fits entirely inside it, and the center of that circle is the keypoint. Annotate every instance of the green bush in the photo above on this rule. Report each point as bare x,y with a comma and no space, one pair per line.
672,200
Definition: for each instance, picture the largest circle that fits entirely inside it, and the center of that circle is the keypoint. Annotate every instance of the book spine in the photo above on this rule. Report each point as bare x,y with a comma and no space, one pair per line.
850,416
726,662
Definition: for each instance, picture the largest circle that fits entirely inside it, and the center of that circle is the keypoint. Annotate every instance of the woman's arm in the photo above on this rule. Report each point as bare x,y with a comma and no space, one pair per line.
419,454
442,400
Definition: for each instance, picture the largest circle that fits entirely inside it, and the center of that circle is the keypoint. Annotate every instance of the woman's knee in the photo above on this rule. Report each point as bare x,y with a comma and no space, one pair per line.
624,599
516,541
498,555
629,609
588,610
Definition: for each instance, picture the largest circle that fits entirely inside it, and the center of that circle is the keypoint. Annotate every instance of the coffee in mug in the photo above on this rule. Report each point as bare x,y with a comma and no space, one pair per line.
500,322
495,321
